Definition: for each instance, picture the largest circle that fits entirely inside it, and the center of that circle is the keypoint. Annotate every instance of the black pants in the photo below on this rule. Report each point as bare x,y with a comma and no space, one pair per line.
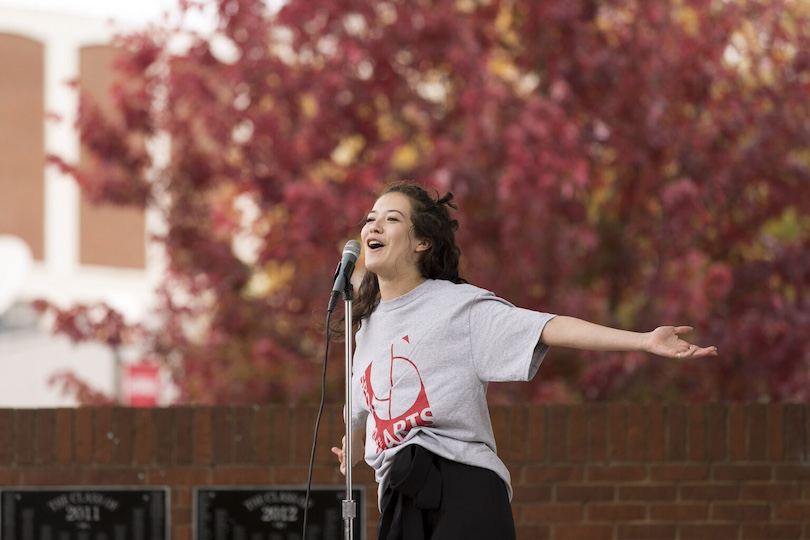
432,498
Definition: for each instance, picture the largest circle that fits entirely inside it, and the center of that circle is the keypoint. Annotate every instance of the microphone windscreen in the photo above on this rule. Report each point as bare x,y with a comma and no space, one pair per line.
353,247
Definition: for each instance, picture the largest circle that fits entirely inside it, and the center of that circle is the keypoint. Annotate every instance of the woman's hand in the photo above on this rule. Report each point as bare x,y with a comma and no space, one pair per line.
667,341
357,450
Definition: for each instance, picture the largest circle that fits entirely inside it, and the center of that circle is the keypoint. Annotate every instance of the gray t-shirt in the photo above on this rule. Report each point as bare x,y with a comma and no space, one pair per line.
422,364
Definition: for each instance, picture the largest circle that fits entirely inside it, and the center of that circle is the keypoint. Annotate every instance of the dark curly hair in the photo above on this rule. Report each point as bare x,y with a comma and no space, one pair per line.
431,221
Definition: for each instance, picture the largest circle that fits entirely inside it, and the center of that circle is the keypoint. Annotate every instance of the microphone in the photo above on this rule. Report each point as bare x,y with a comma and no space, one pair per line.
343,273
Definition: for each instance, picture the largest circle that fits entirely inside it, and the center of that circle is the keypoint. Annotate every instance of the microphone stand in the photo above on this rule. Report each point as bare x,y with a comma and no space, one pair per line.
349,506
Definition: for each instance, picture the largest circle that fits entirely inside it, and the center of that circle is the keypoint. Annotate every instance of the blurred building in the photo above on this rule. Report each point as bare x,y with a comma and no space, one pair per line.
54,244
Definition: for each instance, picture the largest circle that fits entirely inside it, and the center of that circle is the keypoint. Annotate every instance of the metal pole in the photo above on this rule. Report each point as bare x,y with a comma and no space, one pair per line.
349,505
118,375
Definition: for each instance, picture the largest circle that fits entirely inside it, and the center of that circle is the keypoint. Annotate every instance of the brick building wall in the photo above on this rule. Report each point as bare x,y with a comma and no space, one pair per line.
596,471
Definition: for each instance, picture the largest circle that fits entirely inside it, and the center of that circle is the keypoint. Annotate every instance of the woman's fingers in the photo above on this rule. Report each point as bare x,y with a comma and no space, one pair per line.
341,456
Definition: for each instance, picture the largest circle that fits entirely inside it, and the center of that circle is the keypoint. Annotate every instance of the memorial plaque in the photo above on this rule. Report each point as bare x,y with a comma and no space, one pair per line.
272,513
84,513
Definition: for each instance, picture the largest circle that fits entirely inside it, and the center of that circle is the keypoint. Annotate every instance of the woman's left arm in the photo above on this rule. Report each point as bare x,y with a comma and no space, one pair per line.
563,331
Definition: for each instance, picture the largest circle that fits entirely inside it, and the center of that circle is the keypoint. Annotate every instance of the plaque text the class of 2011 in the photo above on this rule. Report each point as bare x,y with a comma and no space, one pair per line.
84,513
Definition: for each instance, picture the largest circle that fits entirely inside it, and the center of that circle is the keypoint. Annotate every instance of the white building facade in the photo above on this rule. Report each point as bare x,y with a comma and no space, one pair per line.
54,244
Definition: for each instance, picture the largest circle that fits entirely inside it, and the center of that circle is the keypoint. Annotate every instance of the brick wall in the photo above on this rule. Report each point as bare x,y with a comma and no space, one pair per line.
600,471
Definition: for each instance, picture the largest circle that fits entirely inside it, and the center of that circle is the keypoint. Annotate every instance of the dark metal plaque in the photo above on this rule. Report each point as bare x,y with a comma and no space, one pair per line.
84,513
272,513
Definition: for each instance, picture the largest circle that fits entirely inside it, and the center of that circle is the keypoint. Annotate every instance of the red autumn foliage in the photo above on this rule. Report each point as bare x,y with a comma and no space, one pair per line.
630,162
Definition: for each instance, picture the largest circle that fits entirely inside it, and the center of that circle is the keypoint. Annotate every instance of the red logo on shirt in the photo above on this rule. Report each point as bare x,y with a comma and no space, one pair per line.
395,395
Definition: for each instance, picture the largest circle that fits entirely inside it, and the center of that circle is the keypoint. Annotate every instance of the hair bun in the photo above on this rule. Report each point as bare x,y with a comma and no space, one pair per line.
447,200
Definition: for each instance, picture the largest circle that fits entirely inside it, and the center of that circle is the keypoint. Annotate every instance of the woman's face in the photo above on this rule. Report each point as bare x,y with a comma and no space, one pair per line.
391,248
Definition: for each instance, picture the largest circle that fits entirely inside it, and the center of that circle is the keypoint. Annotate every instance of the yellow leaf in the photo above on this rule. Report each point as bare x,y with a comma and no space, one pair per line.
688,19
502,66
309,106
347,150
269,279
405,157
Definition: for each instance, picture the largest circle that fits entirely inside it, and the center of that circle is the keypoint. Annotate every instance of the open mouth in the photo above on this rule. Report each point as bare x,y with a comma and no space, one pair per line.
374,244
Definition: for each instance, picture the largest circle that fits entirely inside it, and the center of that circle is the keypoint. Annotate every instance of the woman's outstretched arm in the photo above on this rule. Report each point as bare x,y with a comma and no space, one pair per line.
563,331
